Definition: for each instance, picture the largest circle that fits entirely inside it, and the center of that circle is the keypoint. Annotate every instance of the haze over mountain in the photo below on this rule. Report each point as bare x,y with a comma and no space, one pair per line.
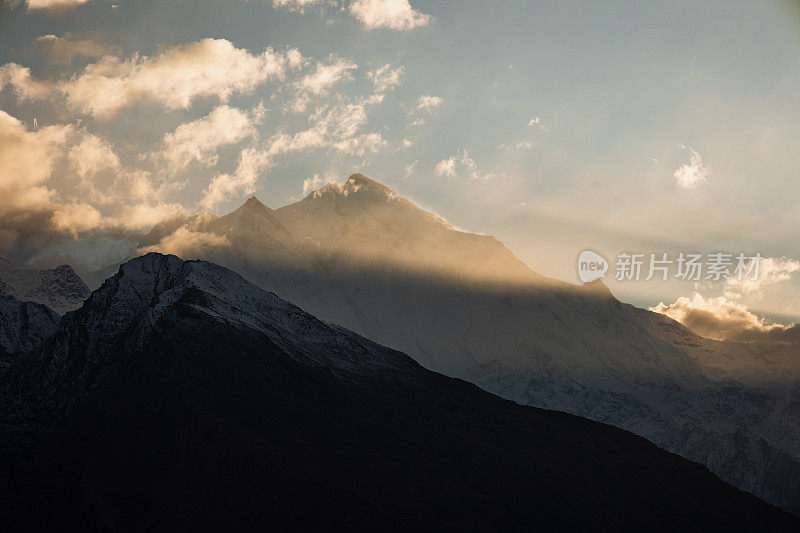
359,255
182,396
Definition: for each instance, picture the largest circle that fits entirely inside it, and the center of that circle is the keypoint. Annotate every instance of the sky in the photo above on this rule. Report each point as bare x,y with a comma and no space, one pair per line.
638,127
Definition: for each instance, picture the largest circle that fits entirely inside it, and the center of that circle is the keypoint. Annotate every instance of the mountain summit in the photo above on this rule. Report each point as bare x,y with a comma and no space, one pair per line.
359,255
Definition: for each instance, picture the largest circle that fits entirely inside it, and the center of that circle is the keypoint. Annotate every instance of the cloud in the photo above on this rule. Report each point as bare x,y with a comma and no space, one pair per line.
317,182
321,80
22,83
92,155
451,167
190,243
516,147
385,78
26,162
771,270
52,195
173,79
199,141
335,127
298,6
392,14
63,50
534,121
410,169
723,319
446,167
429,103
694,173
55,4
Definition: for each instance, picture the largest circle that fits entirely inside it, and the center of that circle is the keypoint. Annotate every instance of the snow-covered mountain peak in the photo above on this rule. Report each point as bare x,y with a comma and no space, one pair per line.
129,307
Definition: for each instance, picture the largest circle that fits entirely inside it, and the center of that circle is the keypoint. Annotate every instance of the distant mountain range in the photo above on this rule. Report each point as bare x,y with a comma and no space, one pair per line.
360,256
180,396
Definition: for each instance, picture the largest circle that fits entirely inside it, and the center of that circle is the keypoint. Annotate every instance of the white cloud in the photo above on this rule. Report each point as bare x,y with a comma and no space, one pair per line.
252,162
771,270
723,319
693,173
391,14
317,182
446,167
174,78
451,166
429,103
534,121
410,169
385,78
336,127
63,50
199,141
321,80
298,5
516,147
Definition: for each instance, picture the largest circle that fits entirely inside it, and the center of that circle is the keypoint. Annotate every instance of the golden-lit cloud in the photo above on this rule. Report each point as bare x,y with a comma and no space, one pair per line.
63,50
23,84
190,243
723,319
172,79
26,163
55,4
198,141
338,127
49,182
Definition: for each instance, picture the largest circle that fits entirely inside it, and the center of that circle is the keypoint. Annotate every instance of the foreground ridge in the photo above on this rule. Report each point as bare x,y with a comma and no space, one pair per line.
181,395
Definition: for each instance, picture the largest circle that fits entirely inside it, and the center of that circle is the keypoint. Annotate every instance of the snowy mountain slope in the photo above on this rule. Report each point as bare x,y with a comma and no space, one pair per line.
361,256
181,396
60,288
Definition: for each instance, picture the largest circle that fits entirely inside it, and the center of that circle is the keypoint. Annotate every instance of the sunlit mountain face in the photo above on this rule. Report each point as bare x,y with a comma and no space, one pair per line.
361,256
587,208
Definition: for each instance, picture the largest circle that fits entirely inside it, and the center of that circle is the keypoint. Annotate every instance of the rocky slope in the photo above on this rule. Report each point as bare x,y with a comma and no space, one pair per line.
60,288
181,396
359,255
24,326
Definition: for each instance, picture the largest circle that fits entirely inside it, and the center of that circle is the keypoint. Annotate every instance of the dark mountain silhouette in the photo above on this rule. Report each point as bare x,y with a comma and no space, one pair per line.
182,397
